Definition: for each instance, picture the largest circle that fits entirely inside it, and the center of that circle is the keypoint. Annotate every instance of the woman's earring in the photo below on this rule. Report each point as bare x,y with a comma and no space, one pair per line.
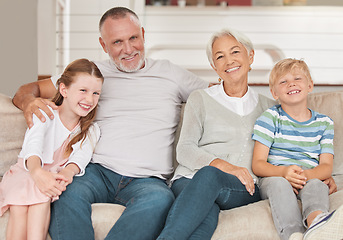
219,79
250,68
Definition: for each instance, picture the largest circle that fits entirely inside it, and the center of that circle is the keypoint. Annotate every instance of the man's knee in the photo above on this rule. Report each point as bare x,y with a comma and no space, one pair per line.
161,198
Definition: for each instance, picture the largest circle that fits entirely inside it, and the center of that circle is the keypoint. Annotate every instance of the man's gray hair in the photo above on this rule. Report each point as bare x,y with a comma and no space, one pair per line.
117,13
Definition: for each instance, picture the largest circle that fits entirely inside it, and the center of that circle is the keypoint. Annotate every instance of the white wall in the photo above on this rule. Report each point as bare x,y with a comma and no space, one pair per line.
18,44
314,34
46,38
180,34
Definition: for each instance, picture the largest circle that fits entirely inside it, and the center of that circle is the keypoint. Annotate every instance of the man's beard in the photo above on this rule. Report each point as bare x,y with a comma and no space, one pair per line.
130,69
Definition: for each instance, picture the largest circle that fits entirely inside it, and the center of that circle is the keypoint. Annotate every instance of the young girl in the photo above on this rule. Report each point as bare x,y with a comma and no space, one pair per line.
52,153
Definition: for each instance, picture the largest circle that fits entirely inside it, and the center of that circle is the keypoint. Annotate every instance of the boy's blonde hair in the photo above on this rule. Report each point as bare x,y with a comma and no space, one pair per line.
285,66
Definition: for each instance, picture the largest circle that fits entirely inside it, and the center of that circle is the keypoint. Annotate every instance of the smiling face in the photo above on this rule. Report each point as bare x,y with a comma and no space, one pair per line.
292,88
123,40
82,96
231,60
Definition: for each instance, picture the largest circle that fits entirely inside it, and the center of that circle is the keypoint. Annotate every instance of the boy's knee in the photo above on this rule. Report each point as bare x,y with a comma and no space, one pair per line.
316,183
274,183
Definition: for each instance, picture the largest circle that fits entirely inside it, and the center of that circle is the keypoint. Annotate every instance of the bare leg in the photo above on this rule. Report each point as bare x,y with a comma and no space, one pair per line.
17,223
38,221
311,217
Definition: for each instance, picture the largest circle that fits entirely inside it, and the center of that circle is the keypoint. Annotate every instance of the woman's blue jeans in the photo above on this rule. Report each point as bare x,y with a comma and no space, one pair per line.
194,214
147,202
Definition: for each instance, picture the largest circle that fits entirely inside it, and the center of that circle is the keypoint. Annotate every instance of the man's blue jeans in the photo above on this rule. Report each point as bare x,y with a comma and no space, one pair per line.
147,202
194,214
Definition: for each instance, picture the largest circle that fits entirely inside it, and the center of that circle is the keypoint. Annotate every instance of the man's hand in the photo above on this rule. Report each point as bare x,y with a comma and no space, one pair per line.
33,96
33,106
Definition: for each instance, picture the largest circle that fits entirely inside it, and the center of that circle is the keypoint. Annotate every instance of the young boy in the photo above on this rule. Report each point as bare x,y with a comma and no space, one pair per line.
293,153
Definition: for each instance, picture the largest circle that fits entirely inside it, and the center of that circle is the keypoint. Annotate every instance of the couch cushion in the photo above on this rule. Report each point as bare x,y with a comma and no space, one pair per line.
12,131
331,104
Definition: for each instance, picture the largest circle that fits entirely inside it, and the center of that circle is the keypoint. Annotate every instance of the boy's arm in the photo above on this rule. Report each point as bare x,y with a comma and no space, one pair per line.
262,168
34,96
323,170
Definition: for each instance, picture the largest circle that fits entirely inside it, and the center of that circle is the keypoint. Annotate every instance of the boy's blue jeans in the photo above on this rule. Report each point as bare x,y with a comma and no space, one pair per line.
287,216
194,214
147,202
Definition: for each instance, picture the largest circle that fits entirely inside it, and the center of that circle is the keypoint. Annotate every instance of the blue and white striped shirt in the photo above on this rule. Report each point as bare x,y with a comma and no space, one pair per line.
292,142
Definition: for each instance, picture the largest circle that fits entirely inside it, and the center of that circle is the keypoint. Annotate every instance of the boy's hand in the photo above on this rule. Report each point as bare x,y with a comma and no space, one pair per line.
331,184
295,176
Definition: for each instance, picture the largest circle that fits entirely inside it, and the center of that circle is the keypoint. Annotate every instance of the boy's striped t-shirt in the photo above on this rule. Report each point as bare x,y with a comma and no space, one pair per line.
292,142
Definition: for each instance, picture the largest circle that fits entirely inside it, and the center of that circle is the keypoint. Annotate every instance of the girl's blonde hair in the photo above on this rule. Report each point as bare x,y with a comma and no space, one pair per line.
74,68
285,66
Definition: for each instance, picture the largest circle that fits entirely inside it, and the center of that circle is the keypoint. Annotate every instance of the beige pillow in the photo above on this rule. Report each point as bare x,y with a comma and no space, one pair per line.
12,131
331,104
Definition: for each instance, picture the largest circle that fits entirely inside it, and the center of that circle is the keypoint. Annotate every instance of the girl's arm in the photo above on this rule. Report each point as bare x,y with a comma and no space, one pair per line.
47,182
323,170
83,151
262,168
69,172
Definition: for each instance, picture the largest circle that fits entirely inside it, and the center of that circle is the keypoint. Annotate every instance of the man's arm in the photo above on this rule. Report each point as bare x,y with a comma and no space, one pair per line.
34,96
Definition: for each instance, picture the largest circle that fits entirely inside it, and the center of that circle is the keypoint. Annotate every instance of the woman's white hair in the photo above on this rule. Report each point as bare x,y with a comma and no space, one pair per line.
240,37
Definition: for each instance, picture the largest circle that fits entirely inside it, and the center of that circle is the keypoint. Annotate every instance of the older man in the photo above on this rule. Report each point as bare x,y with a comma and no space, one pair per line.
138,113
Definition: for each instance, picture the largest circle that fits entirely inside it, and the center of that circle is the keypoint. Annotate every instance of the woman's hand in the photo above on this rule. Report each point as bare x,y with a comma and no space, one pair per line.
241,173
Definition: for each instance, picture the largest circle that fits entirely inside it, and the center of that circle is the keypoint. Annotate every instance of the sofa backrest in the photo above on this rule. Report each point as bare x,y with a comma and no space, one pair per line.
12,130
331,104
13,127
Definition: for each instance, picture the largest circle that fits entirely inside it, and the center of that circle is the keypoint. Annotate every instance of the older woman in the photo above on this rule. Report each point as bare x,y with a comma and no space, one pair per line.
215,147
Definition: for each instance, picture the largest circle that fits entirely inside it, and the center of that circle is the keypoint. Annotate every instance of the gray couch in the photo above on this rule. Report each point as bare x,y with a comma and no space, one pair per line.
253,222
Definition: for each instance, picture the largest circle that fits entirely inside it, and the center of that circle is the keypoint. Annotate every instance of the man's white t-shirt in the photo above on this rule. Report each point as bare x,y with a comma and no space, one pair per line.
138,114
